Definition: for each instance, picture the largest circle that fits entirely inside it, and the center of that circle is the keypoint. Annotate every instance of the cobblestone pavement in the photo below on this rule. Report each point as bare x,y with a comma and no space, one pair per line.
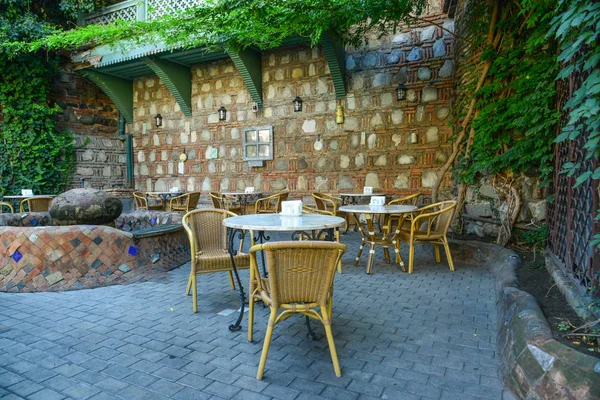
430,335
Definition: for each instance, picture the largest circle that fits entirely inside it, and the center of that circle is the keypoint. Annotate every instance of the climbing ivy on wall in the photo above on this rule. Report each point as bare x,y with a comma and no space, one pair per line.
514,124
33,153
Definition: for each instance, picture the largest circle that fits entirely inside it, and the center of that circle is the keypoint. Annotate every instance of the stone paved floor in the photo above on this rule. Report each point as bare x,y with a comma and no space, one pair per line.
430,335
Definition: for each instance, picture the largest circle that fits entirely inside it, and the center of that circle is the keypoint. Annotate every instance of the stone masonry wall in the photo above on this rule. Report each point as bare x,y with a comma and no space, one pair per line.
371,148
92,117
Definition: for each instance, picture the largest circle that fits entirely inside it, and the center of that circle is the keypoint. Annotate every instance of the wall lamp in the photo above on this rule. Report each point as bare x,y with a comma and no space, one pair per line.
401,92
297,104
158,120
222,113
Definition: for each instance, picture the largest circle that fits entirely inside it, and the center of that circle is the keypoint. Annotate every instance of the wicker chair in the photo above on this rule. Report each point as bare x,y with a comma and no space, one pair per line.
7,205
329,203
429,225
208,247
408,200
271,204
312,210
36,204
184,203
141,202
225,202
300,281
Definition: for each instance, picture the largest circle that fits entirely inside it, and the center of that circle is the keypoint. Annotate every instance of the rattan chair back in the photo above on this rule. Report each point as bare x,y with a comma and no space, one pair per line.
185,203
433,220
141,203
300,272
216,199
270,204
7,205
205,229
36,204
407,200
325,203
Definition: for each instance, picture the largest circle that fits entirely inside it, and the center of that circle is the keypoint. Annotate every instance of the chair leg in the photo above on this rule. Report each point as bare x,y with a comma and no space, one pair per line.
329,334
448,256
399,259
371,257
360,249
386,253
194,294
411,257
250,317
338,239
231,281
266,344
437,252
189,285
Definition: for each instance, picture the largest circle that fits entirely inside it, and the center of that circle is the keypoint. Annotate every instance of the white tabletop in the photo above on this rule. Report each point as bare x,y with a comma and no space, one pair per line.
368,209
28,197
361,194
278,222
240,193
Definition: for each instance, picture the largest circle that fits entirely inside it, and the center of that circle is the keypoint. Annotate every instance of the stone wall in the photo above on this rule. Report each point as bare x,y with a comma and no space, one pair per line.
371,148
92,117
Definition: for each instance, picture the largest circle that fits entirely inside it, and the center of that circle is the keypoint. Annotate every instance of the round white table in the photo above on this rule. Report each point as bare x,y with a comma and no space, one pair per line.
305,226
384,239
353,198
243,197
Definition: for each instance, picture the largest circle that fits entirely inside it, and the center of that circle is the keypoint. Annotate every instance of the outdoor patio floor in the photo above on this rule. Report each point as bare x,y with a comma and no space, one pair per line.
430,335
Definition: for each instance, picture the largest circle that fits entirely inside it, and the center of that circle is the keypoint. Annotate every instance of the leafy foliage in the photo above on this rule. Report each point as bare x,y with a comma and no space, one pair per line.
33,153
516,119
237,24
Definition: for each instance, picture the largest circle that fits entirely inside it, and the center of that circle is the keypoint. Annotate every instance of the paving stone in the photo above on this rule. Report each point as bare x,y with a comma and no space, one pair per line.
25,388
419,333
81,391
46,394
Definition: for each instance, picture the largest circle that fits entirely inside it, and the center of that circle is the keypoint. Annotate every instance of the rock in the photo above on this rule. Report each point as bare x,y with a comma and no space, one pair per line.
405,159
370,60
350,64
394,57
443,112
428,33
309,126
400,38
439,48
428,179
372,180
538,209
411,95
446,69
302,164
85,207
432,134
480,209
430,93
424,74
345,183
401,182
401,76
381,79
279,184
414,54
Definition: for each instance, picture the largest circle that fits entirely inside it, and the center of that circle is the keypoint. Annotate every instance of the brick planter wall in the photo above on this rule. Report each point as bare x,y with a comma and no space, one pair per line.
56,258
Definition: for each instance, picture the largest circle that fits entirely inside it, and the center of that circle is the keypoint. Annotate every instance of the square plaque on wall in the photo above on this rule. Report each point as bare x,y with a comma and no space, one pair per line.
257,144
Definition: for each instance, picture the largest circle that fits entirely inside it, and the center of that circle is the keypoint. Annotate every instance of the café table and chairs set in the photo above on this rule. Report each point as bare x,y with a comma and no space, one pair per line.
297,275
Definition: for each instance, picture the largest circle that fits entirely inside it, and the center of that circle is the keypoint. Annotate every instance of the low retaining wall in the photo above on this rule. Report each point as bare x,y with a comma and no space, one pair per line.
534,365
34,257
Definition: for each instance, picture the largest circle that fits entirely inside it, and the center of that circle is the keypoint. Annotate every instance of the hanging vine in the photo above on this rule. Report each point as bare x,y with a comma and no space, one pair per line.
508,125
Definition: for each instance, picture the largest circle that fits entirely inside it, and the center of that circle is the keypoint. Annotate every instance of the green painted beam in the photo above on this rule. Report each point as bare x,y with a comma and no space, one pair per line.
248,63
119,90
178,80
335,54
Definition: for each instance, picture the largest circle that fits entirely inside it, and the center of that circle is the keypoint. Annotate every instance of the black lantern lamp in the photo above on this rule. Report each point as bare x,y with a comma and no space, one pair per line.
401,92
297,104
158,120
222,113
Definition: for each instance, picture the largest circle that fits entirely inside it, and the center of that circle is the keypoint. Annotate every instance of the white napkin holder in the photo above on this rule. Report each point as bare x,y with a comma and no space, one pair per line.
26,192
249,189
292,208
174,189
377,201
368,190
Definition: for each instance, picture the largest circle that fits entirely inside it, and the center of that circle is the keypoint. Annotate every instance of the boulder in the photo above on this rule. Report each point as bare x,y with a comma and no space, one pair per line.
85,207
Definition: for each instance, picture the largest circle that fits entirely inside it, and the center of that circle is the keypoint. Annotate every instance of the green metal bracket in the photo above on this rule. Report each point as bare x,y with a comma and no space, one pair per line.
248,63
333,48
177,78
119,90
